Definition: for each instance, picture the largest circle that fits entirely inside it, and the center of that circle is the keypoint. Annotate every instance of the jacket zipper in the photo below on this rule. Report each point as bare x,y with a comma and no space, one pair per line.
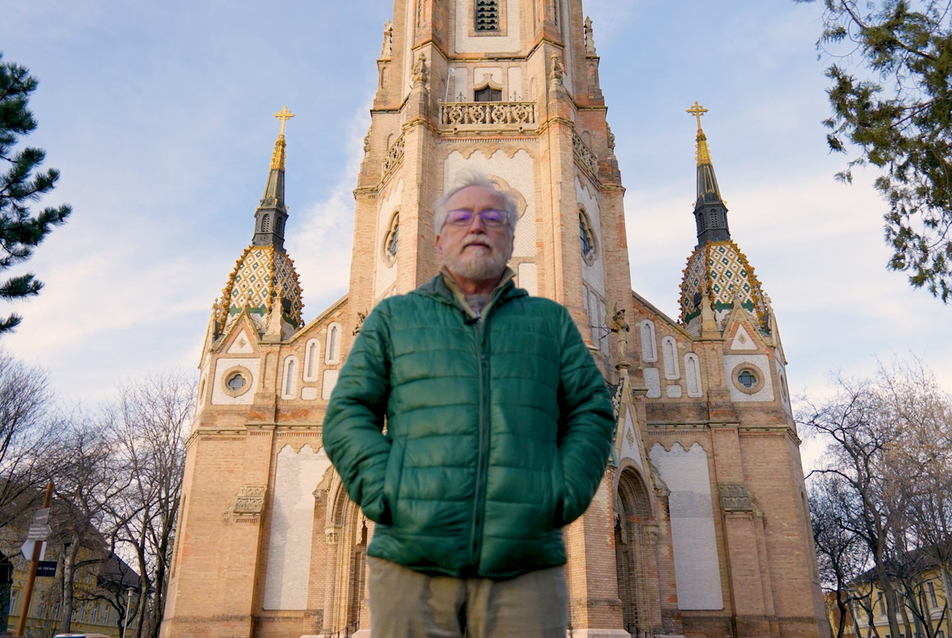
483,459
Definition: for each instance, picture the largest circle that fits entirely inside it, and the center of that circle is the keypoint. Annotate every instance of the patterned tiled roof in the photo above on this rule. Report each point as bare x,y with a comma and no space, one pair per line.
259,272
725,269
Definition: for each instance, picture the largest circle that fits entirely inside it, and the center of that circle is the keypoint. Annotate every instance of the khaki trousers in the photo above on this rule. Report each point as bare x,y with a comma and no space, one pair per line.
408,604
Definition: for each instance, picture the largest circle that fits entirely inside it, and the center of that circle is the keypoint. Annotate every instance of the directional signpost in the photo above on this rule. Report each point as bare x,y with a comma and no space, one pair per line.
39,532
27,549
46,569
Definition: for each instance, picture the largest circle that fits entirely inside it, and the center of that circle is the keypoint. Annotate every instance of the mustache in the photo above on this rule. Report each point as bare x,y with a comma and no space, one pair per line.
478,239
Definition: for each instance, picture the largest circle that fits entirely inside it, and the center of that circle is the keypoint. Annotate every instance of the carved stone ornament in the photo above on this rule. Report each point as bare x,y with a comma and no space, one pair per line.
418,75
393,158
557,73
616,323
324,486
736,498
331,535
585,157
611,139
249,501
387,50
589,37
361,317
652,533
498,116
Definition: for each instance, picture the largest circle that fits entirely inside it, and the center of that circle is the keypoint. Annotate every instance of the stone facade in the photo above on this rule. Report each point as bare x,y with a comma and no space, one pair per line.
700,527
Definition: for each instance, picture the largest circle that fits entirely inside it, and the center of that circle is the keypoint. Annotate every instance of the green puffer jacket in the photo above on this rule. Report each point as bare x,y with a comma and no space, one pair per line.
498,431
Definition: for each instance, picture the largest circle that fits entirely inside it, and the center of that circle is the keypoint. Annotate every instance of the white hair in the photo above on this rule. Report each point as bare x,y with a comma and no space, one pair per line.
475,178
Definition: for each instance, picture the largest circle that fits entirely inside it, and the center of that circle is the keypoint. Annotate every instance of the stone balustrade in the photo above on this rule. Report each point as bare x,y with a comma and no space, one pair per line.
490,116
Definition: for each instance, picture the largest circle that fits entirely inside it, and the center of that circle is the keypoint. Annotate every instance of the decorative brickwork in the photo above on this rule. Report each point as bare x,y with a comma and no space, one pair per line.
698,527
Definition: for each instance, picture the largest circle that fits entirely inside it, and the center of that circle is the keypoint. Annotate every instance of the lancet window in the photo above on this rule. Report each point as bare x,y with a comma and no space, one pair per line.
391,241
586,238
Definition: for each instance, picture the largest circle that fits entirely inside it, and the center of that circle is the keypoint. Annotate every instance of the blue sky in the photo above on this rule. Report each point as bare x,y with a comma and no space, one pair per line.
159,116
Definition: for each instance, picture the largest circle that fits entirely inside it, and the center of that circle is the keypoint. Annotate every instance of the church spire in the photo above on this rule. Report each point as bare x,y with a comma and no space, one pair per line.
272,214
710,213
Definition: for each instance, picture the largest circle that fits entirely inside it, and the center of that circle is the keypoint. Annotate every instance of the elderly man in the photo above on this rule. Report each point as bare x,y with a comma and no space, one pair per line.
498,426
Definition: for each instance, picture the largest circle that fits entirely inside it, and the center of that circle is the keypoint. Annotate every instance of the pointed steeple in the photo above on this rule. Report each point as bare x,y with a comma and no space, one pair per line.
272,215
264,276
710,213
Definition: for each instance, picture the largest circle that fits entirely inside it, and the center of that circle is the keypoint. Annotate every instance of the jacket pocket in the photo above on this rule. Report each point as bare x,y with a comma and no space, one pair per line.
558,488
392,477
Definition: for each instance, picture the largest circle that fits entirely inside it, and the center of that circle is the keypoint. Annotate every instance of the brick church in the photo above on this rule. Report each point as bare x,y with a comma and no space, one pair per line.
700,527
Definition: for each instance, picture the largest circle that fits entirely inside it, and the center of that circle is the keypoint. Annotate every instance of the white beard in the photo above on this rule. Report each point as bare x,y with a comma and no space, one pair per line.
476,264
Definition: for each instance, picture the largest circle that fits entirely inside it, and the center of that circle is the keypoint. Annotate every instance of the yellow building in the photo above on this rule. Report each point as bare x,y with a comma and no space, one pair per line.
921,591
92,612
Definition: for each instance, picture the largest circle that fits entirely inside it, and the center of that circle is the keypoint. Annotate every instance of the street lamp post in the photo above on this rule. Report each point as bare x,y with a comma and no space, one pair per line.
125,621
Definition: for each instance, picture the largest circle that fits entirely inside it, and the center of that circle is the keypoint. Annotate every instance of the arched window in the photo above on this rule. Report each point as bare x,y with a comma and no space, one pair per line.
586,238
266,224
311,359
332,347
669,348
391,241
487,16
649,348
289,386
279,226
692,370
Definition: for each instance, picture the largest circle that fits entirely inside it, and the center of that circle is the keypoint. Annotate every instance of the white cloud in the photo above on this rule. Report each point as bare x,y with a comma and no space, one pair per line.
159,117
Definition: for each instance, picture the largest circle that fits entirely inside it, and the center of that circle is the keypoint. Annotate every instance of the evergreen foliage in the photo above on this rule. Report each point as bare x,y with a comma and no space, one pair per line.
899,113
20,230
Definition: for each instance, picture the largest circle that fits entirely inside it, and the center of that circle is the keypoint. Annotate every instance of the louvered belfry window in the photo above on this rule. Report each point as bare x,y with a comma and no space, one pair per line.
487,15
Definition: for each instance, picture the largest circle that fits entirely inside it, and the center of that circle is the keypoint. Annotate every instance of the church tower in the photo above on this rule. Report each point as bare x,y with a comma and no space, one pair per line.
509,88
722,440
699,527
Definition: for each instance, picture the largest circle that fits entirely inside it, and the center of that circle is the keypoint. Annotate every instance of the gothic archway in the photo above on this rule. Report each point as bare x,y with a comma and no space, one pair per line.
346,536
632,512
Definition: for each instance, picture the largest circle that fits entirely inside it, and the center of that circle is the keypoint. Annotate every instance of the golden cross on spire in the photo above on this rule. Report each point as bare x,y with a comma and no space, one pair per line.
697,111
703,154
284,115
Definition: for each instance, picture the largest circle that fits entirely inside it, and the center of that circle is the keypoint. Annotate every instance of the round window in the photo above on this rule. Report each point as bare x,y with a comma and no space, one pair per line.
236,382
748,378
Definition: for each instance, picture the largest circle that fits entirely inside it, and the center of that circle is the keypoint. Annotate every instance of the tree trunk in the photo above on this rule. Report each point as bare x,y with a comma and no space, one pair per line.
892,604
69,575
905,621
140,608
842,607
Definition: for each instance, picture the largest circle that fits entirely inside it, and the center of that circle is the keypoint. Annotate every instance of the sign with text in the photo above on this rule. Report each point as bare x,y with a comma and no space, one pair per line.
42,517
38,533
46,569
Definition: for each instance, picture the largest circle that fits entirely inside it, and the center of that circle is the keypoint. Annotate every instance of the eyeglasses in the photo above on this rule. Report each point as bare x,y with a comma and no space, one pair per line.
464,217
